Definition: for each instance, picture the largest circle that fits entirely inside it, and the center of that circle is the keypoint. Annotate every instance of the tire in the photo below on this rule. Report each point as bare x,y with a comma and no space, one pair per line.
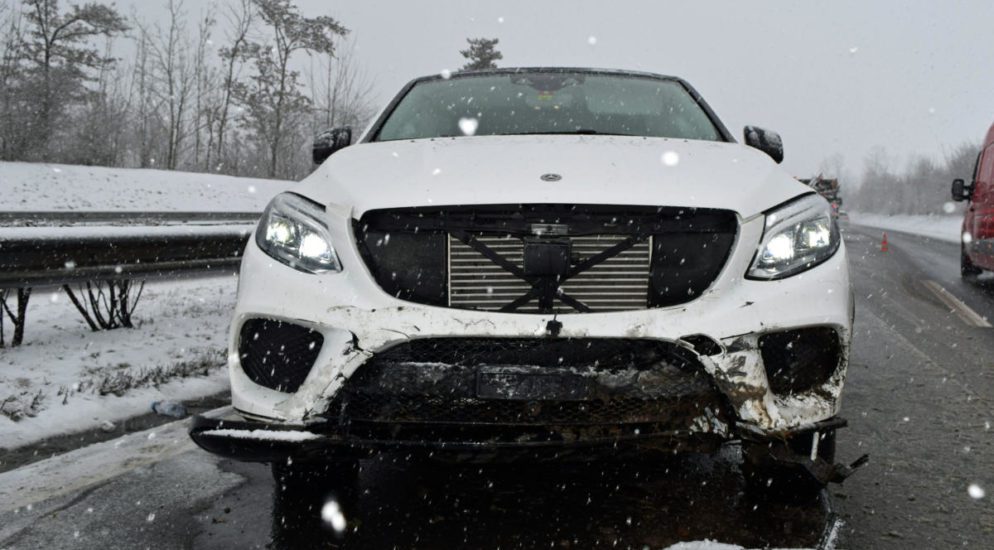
767,478
966,268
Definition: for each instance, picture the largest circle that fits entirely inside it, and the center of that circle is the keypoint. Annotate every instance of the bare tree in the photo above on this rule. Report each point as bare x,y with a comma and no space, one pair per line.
275,103
11,53
58,48
173,80
203,79
240,19
141,86
344,96
922,187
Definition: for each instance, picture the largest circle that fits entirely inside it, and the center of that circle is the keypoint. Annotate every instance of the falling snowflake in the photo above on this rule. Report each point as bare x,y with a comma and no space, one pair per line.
592,40
468,126
446,74
670,158
976,491
331,513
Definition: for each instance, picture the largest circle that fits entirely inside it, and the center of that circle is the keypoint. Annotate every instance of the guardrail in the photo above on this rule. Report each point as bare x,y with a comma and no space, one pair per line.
54,256
117,217
39,250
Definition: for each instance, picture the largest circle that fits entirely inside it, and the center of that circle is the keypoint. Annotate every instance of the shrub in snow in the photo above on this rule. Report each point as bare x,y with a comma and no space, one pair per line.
17,319
107,305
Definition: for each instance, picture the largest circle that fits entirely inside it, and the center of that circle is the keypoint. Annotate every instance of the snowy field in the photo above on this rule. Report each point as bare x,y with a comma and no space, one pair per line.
943,228
55,187
66,379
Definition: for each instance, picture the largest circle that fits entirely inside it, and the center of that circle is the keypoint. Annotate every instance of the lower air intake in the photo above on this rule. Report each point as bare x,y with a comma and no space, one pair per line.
800,360
276,354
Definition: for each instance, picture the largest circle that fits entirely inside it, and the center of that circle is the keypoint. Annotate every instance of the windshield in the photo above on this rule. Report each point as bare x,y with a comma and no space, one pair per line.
552,102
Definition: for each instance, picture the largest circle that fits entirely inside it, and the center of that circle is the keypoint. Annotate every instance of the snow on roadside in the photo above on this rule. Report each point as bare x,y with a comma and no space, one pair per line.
71,379
54,187
943,228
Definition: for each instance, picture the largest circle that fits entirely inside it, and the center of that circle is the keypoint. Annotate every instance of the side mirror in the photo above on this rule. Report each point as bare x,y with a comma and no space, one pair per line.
961,191
330,141
766,141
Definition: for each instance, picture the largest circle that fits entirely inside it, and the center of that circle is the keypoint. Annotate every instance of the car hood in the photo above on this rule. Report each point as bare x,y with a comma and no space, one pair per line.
615,170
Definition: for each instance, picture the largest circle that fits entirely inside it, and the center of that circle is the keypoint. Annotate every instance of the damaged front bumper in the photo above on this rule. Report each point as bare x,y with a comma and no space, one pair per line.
743,335
256,441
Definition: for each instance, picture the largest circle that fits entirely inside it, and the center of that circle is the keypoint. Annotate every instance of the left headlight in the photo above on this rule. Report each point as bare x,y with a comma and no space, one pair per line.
797,237
293,231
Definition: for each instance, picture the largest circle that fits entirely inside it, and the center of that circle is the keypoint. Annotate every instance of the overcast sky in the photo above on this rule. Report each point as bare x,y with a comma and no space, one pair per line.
831,77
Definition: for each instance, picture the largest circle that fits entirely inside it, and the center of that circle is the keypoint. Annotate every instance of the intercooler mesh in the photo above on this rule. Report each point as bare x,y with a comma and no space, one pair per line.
619,283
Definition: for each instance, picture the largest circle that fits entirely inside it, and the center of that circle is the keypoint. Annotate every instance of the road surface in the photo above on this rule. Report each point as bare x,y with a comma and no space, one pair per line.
919,399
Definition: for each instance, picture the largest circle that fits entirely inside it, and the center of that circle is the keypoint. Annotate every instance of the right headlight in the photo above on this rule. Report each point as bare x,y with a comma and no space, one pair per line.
293,231
798,236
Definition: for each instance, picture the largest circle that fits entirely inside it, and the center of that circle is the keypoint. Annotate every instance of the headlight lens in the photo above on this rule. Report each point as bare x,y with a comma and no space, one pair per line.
293,231
798,236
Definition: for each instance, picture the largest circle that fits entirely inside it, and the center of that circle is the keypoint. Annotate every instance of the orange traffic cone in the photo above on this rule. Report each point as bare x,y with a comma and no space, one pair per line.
883,243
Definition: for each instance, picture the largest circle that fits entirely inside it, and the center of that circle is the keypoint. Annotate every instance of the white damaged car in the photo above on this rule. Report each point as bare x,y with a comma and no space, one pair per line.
535,263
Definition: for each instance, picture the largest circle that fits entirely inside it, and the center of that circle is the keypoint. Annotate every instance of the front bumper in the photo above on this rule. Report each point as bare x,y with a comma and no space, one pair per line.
256,441
357,320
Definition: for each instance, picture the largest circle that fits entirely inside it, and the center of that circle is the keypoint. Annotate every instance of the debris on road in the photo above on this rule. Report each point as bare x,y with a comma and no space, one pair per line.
174,409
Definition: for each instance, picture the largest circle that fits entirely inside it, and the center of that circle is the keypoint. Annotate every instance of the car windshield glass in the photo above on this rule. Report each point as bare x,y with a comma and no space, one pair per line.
551,102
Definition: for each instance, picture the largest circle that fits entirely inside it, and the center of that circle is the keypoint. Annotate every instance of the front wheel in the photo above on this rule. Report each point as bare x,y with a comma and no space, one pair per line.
966,268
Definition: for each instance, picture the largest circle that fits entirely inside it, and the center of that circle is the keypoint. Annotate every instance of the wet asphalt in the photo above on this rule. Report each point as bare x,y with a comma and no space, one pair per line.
918,398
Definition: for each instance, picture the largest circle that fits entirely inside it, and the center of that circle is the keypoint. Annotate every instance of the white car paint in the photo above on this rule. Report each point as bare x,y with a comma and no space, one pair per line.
349,307
595,170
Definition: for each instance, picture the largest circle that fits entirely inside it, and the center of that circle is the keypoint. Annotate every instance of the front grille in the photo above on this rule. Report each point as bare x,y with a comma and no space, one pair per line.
607,354
619,283
436,382
546,258
276,354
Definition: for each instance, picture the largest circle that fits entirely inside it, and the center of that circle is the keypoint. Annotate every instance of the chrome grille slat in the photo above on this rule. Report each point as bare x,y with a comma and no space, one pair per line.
619,283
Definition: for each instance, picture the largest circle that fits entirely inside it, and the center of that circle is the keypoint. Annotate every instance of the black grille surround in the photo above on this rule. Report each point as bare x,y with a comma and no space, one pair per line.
277,354
800,360
409,251
431,390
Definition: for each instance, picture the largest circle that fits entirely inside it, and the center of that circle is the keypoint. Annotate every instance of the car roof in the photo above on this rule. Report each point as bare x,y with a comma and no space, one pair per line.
515,70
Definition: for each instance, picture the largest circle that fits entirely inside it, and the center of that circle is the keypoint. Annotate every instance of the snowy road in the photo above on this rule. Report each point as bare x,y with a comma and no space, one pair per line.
919,398
919,401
